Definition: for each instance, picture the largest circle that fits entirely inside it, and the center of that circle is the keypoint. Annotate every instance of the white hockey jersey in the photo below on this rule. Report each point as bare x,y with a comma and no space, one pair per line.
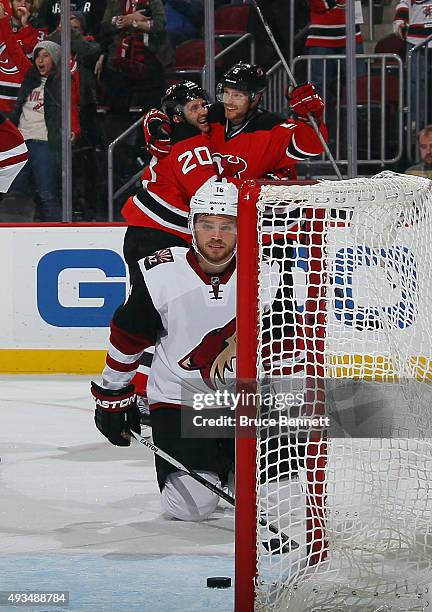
416,16
190,316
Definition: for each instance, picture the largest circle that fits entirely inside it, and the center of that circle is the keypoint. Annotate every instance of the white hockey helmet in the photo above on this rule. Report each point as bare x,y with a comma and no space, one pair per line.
215,197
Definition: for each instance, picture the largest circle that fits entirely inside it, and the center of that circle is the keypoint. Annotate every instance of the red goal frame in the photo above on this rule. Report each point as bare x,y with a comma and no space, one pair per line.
247,345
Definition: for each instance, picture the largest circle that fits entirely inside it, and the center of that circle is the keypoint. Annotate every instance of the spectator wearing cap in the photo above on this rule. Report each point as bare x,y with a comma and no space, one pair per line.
38,117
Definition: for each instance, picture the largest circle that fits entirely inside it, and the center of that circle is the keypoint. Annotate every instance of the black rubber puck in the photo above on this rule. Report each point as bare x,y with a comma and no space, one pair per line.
279,545
219,582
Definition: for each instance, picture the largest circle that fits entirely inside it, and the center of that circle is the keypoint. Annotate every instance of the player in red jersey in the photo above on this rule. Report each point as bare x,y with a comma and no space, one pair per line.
157,215
247,142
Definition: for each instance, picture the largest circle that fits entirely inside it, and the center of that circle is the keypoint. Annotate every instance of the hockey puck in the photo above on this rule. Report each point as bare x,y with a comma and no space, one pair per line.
281,545
219,582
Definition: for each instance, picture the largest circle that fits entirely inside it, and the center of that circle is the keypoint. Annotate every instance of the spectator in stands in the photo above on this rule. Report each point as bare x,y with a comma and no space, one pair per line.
86,51
15,20
279,15
424,168
93,10
327,36
413,21
137,48
22,16
38,117
184,19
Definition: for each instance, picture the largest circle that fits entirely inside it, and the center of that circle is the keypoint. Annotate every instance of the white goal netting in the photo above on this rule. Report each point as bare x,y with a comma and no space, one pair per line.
349,339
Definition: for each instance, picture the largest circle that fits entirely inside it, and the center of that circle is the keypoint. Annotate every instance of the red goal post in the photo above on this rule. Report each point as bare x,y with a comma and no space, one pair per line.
327,237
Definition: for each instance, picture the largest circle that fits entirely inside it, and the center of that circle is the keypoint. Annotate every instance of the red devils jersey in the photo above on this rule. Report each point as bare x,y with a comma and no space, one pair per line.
265,144
13,153
169,183
15,49
28,37
189,358
328,24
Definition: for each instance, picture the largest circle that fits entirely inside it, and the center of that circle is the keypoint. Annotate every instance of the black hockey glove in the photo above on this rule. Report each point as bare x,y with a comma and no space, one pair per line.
116,413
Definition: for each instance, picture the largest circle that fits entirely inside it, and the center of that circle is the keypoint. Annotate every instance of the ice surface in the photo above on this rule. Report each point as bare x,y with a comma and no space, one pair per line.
77,513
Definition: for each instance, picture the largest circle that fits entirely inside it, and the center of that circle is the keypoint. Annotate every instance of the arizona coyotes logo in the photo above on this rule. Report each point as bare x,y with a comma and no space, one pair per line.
6,66
214,356
160,257
230,166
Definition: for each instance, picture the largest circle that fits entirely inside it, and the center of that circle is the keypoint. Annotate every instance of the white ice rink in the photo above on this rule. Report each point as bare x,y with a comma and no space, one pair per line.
81,515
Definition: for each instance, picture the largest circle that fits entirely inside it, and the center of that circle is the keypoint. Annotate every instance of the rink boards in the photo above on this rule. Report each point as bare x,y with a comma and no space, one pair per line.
62,283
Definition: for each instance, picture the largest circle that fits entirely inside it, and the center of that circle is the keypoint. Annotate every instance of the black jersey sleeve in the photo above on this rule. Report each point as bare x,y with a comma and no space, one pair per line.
138,314
134,327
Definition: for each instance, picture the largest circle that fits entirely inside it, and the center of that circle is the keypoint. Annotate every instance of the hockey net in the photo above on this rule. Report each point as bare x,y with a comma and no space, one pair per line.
350,332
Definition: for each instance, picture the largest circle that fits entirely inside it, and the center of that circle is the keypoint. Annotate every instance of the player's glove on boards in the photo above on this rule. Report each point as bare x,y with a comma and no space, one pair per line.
305,99
116,412
157,133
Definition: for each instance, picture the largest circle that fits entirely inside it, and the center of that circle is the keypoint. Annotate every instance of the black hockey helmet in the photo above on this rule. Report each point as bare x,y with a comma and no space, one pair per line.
249,78
178,95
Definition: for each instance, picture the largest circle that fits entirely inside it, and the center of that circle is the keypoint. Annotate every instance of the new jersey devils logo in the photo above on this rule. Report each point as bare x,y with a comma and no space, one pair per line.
230,166
214,356
6,66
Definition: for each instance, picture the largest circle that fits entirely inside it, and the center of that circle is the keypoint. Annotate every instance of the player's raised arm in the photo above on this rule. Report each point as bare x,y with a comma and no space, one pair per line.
304,100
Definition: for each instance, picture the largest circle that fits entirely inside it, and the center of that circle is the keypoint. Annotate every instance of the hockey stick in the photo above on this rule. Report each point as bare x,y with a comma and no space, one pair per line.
293,81
285,544
163,455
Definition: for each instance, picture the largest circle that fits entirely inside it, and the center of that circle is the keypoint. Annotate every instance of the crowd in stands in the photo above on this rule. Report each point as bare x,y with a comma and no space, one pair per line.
123,55
120,50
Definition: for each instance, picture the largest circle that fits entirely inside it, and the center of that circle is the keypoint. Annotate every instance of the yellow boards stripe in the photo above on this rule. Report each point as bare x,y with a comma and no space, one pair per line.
42,361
